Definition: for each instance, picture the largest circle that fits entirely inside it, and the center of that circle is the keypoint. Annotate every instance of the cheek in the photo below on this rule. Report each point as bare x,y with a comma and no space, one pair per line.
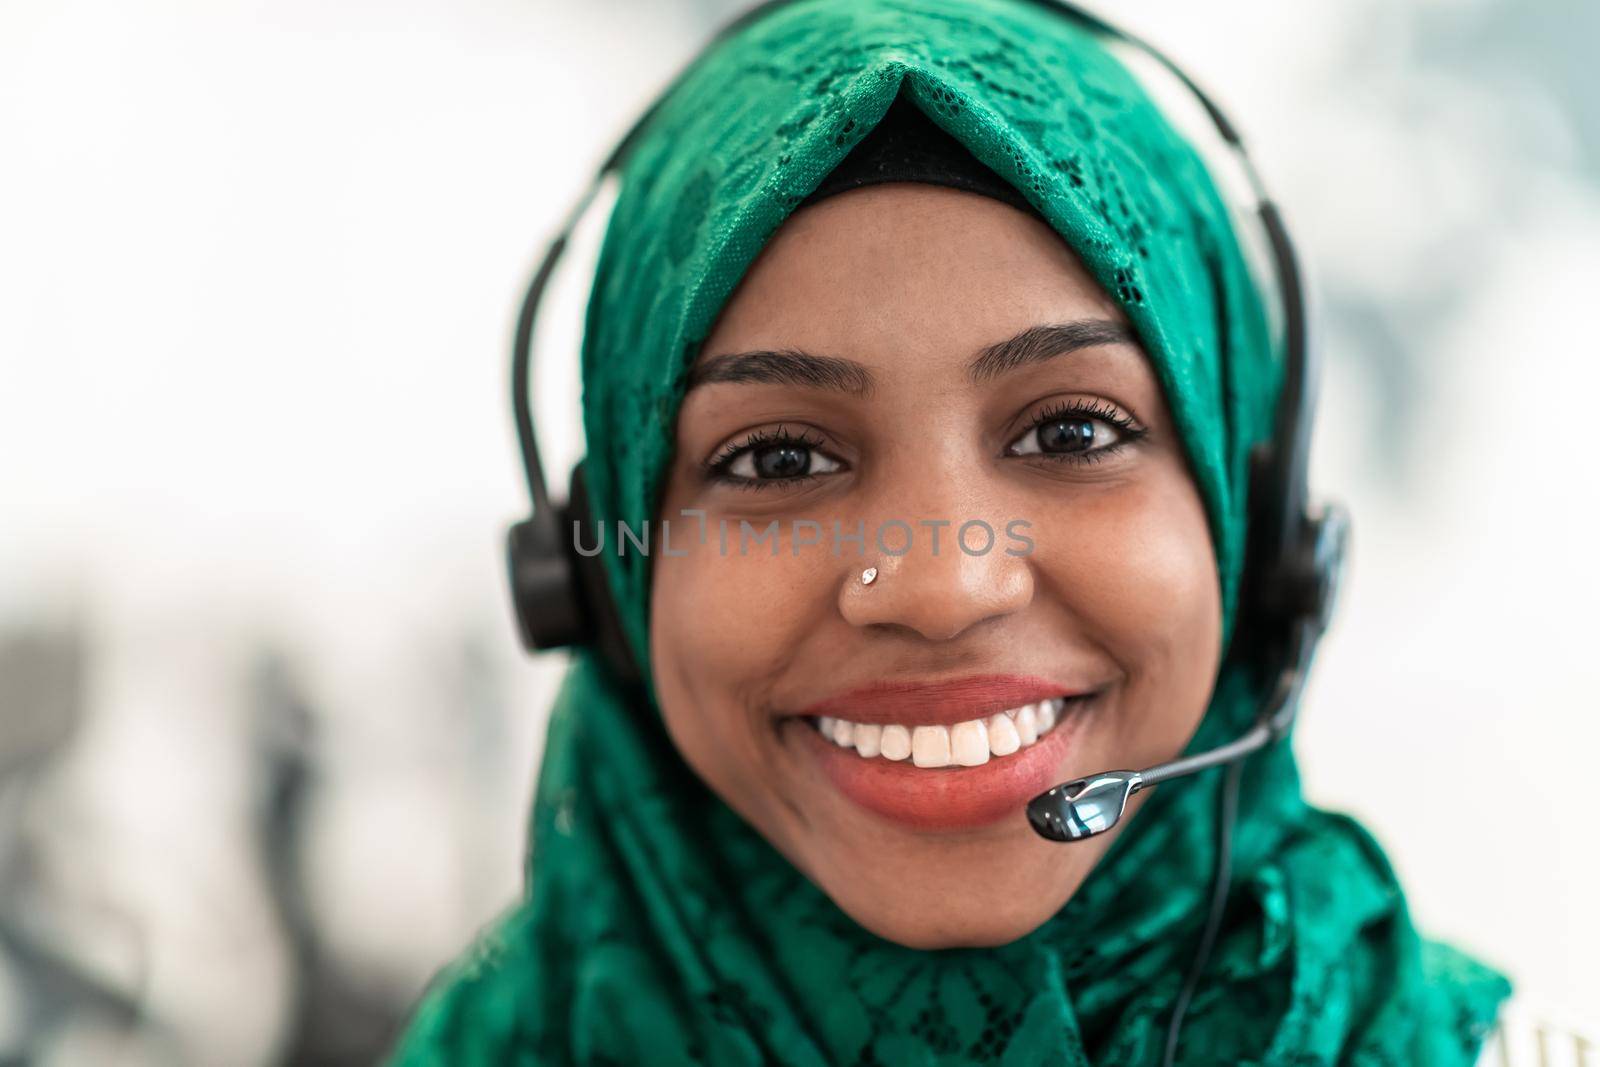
722,629
728,620
1138,572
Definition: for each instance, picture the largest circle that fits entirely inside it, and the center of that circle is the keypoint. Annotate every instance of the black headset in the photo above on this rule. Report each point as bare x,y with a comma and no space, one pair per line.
1294,559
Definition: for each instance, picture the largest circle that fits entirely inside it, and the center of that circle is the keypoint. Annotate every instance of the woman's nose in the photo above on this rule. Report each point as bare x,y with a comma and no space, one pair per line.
937,594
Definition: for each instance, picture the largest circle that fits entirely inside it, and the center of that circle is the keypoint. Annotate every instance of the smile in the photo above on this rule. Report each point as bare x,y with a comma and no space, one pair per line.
951,754
971,743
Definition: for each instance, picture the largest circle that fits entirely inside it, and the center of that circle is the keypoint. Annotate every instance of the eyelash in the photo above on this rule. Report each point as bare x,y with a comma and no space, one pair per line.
716,468
1130,430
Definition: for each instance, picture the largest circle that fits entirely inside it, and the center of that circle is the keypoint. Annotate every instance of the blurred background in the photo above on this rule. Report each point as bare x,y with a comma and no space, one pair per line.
266,740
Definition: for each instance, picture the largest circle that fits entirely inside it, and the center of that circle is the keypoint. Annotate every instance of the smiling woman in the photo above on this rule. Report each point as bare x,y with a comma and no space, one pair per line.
933,317
987,377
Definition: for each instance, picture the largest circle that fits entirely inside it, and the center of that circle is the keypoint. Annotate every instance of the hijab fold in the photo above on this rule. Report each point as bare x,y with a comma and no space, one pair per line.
660,928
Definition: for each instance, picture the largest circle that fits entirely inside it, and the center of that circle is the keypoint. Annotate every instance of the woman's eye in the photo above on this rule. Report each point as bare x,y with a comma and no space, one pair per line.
777,461
1070,434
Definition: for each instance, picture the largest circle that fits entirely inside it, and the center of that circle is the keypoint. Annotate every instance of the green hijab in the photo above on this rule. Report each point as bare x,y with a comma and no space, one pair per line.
657,926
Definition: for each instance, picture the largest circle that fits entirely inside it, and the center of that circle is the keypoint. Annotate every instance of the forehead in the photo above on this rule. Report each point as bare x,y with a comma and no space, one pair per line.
906,270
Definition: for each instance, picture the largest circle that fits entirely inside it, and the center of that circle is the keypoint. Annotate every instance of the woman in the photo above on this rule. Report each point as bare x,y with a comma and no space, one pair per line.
881,272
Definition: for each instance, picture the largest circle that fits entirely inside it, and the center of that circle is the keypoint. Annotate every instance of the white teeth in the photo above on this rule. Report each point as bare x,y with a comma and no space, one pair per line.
969,743
930,746
844,733
965,744
1003,738
869,739
1045,710
1027,725
895,743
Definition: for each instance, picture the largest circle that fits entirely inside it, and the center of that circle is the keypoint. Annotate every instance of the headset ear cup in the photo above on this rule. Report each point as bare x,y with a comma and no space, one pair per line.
561,596
605,630
1261,598
1294,563
544,592
1328,553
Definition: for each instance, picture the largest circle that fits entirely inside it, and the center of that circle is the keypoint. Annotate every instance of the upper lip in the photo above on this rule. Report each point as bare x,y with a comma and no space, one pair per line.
939,703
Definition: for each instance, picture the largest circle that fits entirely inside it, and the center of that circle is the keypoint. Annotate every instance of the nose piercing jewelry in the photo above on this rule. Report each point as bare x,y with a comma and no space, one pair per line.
869,576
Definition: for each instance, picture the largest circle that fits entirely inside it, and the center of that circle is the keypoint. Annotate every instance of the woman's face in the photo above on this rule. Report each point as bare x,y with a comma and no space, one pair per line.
903,361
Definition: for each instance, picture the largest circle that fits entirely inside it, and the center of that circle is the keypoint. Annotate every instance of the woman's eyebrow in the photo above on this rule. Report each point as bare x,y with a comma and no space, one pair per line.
792,366
789,366
1039,343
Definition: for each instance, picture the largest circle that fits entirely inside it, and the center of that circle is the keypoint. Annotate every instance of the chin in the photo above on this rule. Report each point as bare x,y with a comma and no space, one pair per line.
969,894
925,924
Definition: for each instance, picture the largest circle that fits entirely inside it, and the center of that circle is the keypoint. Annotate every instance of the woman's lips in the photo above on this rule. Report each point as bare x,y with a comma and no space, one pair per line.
946,797
938,703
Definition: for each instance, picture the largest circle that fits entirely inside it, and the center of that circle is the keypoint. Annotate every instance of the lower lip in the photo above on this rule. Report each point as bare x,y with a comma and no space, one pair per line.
946,798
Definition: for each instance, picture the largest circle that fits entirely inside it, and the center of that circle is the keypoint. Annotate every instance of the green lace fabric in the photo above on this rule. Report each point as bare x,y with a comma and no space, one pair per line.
657,926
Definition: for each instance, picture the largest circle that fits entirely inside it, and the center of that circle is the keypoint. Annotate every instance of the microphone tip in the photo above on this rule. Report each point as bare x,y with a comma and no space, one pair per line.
1045,815
1082,807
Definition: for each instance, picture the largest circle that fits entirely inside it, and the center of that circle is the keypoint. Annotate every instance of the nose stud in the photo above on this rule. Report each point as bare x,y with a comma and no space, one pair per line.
869,576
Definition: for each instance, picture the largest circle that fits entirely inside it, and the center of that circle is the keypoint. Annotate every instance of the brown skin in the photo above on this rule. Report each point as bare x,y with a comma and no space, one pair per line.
1119,593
